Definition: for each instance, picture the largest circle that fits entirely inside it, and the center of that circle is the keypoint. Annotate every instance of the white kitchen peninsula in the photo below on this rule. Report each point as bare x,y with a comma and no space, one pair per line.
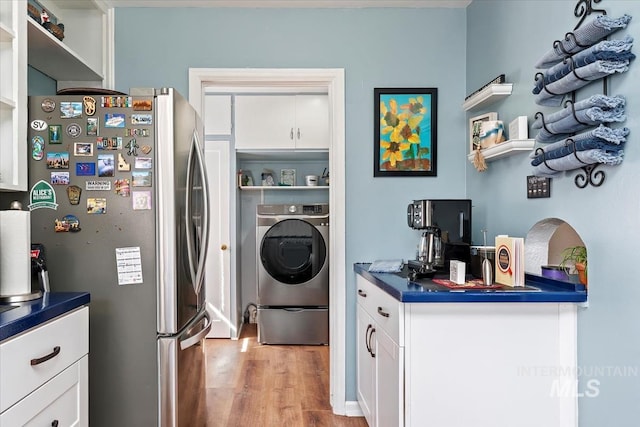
466,358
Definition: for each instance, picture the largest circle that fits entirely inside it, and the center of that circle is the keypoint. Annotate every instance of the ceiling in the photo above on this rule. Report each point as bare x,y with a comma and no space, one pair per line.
291,3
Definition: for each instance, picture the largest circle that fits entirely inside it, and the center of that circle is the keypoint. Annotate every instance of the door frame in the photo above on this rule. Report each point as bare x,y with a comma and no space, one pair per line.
333,80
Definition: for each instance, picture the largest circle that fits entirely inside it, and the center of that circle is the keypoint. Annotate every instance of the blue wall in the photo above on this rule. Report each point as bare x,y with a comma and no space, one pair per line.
455,50
376,47
606,217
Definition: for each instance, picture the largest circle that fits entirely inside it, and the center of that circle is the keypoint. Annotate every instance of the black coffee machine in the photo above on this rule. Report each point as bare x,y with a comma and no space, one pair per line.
446,236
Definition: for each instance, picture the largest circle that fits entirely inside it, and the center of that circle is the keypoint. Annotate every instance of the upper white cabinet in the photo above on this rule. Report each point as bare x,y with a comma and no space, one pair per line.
217,117
80,56
268,121
13,95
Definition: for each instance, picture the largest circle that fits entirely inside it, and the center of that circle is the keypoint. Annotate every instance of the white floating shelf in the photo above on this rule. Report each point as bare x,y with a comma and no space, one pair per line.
283,187
6,103
52,57
504,149
488,95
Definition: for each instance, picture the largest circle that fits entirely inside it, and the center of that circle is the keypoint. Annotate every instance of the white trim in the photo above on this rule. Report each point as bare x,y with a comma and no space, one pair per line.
333,80
350,4
108,55
353,409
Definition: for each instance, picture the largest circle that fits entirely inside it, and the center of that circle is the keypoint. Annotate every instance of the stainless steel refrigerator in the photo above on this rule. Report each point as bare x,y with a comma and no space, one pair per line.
118,197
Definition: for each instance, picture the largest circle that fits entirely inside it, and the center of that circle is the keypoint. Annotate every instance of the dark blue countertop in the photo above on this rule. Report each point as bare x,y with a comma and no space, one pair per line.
540,289
28,314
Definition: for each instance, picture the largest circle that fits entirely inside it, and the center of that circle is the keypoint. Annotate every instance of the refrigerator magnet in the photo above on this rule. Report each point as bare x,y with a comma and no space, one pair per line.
38,125
114,120
70,110
104,143
82,149
143,162
37,147
146,149
92,126
59,178
96,206
85,169
58,160
141,119
141,179
105,165
142,105
68,223
122,187
48,105
123,166
74,130
73,193
132,147
55,134
89,105
141,200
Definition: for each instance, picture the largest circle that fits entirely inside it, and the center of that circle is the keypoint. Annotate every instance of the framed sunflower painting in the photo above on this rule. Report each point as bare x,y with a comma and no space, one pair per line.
405,132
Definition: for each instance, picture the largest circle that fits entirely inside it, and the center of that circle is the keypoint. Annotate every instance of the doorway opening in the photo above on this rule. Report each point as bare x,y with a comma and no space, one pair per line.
333,81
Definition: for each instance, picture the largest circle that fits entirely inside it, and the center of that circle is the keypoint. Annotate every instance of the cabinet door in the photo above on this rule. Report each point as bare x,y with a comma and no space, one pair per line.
218,280
13,94
389,380
265,122
366,366
217,114
312,121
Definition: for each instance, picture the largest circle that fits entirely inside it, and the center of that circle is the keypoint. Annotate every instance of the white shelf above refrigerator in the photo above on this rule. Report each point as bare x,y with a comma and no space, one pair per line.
488,95
50,56
504,149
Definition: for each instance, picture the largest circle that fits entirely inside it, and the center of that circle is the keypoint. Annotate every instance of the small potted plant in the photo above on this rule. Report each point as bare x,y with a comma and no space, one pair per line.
576,257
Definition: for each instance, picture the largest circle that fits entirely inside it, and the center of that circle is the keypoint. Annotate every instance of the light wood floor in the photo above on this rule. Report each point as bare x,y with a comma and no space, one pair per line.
253,385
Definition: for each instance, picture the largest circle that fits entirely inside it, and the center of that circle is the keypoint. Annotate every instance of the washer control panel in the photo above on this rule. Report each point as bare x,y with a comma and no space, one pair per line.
307,209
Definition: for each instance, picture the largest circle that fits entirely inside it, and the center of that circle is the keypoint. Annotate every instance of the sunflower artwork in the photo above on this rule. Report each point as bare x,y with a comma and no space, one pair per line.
405,132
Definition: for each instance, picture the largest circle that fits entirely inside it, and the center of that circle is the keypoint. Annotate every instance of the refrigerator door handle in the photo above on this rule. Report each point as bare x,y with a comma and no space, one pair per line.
202,258
194,339
189,217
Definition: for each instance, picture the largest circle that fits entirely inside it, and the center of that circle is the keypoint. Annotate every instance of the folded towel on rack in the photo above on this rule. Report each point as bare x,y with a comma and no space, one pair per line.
579,121
603,133
553,94
585,36
580,159
603,102
610,50
570,146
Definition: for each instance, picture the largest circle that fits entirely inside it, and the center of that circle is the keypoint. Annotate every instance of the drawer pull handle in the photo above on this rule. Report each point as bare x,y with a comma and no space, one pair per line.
382,313
362,293
54,353
54,423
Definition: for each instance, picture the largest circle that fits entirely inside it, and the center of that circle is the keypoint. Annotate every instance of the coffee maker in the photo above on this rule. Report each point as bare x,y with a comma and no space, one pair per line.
446,235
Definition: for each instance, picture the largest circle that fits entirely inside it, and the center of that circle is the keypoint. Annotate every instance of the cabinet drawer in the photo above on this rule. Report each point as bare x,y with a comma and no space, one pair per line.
386,311
63,399
25,362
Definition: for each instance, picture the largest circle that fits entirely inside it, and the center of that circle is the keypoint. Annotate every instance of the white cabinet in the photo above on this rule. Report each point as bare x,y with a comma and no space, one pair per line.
13,95
380,356
504,364
45,373
264,122
82,55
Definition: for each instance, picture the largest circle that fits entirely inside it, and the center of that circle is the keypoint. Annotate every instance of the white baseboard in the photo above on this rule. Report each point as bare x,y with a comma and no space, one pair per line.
352,409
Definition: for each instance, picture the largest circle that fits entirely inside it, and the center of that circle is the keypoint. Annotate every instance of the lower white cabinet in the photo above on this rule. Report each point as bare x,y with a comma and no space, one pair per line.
45,374
380,374
467,364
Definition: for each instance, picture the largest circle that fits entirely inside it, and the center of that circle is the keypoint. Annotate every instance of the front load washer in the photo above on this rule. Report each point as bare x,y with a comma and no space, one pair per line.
292,244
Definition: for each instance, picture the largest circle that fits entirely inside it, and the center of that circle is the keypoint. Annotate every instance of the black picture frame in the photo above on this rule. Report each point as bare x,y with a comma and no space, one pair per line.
405,132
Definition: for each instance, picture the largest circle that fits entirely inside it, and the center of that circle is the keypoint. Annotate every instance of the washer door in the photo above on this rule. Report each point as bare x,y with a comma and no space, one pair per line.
293,251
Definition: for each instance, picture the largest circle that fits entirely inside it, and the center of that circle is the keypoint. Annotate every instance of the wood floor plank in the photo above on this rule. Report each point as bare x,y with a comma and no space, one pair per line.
249,384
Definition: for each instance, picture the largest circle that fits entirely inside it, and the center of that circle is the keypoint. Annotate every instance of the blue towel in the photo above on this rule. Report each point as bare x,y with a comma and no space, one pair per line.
582,120
587,35
610,50
605,103
553,94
